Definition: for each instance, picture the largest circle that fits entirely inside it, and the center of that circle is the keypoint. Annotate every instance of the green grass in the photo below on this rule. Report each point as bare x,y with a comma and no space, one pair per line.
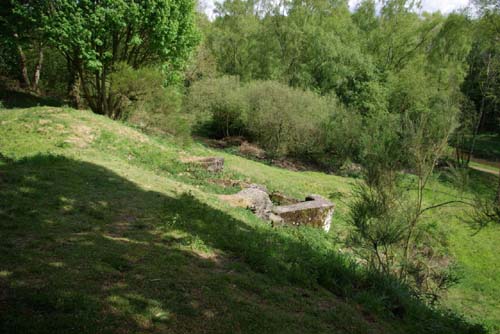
477,293
104,230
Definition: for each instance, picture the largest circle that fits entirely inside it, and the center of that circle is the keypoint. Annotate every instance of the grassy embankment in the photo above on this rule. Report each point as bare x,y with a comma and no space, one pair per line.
103,230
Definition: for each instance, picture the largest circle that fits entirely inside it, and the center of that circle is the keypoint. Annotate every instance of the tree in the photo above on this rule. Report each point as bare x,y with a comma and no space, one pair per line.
234,38
422,74
95,36
20,25
388,220
484,78
498,192
482,84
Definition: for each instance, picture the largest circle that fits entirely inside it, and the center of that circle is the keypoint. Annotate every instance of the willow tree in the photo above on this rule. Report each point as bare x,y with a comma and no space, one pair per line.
95,36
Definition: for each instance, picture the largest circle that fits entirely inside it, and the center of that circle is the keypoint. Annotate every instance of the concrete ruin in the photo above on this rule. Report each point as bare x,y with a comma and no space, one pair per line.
211,164
255,198
315,211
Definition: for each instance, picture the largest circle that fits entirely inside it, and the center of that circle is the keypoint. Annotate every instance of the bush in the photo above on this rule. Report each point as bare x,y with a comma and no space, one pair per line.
142,99
218,106
342,134
286,121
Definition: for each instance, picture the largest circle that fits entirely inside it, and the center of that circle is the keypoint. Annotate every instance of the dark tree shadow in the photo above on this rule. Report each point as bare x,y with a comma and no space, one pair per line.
11,98
84,250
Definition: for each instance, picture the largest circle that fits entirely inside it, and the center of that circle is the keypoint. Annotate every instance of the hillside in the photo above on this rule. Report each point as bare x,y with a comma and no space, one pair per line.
104,230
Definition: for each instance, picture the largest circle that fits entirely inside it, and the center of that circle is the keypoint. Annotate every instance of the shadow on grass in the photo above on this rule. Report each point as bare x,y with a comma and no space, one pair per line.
84,250
18,99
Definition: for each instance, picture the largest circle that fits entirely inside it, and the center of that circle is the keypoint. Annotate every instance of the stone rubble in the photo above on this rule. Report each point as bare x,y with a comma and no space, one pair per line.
315,211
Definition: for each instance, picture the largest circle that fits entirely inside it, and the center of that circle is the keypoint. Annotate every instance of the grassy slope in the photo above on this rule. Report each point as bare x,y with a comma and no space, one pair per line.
102,228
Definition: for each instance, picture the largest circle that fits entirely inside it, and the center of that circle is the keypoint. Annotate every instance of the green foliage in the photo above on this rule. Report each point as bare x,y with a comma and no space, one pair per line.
219,106
379,225
381,149
389,224
154,31
54,73
233,39
8,61
486,210
286,121
143,100
342,134
483,80
95,37
382,219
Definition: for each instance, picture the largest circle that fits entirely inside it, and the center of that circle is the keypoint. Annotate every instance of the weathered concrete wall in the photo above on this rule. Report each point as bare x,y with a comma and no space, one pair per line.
316,211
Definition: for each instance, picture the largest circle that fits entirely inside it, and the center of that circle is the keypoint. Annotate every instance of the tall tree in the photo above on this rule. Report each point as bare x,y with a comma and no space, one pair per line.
482,84
483,81
490,11
20,23
97,35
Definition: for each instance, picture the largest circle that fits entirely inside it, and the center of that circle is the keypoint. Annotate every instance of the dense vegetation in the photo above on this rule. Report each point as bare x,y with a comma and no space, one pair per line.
385,93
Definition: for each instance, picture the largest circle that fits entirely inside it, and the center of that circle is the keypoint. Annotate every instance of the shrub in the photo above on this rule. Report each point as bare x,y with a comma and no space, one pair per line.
342,133
218,106
141,98
285,121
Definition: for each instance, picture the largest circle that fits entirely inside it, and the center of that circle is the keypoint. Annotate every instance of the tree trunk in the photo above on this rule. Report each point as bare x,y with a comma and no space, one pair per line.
476,131
74,81
498,192
484,91
38,70
74,90
24,79
104,95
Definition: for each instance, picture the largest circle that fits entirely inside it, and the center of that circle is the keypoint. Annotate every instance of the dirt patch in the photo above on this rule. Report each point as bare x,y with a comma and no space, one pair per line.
210,164
292,165
44,121
490,166
82,136
132,134
484,170
251,150
236,201
223,143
